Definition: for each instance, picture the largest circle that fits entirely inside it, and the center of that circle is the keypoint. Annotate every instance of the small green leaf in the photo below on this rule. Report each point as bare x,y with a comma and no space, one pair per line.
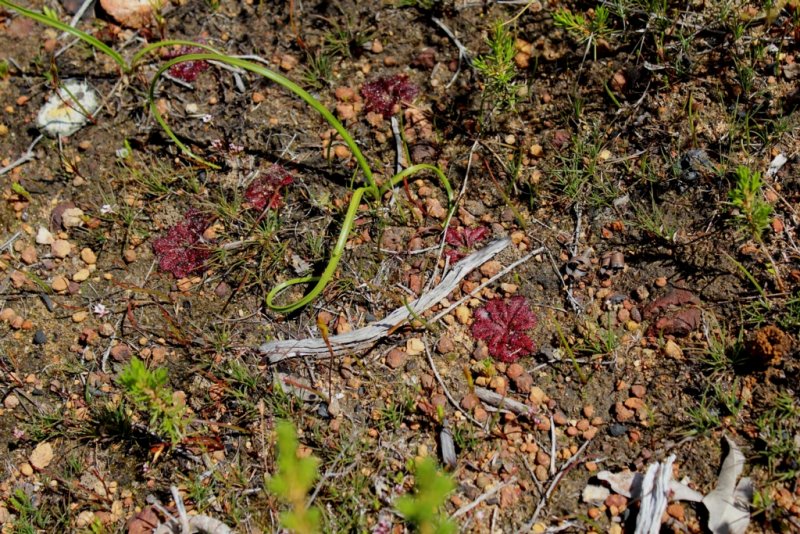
21,191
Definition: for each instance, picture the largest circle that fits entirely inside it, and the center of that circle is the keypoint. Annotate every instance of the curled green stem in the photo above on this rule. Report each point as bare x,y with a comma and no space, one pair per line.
370,188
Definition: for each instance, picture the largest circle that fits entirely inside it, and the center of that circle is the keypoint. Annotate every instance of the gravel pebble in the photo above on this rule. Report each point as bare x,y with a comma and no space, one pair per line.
28,255
44,236
39,338
617,430
88,256
469,402
622,412
60,248
81,276
395,358
536,396
59,284
11,401
491,268
129,255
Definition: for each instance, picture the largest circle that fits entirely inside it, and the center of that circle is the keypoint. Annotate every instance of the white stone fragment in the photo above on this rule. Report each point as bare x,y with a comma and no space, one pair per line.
69,109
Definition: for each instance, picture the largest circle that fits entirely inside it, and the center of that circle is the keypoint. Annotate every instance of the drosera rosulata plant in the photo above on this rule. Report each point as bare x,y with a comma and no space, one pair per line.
371,189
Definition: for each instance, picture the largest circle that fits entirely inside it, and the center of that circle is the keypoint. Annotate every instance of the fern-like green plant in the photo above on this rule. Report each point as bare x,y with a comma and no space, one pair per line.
149,393
422,509
293,482
582,29
753,212
497,69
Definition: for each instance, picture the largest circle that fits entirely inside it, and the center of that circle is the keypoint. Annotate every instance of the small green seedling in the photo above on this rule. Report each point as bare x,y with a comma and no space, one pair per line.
753,212
430,492
293,482
497,69
582,29
149,393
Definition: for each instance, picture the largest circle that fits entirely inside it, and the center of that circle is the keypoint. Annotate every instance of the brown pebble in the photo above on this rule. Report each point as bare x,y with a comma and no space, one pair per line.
638,390
634,403
445,345
491,268
582,425
590,433
676,511
594,513
88,256
618,501
28,255
588,411
7,315
559,418
470,401
541,473
395,358
120,352
129,255
11,401
623,413
342,152
536,396
597,421
480,414
524,383
59,284
542,458
661,281
60,248
544,425
514,370
571,431
26,469
106,330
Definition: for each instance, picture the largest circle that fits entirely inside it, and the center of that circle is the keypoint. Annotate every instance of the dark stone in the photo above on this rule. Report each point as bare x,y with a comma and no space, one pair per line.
617,430
39,338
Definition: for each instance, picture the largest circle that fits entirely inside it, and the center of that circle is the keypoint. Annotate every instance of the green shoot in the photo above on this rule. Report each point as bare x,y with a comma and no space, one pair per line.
149,393
430,492
753,213
293,482
497,68
582,29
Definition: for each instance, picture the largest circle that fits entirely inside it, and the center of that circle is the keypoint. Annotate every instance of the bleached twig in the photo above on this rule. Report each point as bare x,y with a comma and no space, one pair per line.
366,337
463,52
